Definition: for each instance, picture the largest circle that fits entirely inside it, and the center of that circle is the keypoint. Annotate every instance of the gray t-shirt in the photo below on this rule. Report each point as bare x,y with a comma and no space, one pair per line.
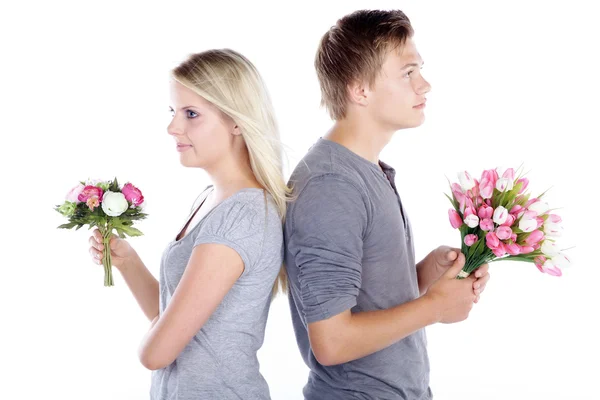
220,361
349,246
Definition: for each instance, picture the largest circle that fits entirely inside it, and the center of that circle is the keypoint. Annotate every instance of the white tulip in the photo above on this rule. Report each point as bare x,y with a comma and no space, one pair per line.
552,230
528,224
540,207
561,261
114,203
466,182
504,184
500,215
472,220
549,248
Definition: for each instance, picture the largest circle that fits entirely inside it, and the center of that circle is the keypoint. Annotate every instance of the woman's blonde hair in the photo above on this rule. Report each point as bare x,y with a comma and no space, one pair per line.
230,82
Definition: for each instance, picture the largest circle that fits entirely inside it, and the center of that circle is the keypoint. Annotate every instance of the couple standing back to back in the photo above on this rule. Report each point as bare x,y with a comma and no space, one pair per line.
359,300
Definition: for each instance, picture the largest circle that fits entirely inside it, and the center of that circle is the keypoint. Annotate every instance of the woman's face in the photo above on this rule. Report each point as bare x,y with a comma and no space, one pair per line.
203,134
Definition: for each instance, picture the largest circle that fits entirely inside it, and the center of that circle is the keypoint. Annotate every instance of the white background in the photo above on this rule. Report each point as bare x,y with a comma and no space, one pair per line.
84,94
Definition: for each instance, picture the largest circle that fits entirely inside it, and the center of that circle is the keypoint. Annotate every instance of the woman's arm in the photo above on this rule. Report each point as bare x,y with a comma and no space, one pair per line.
211,272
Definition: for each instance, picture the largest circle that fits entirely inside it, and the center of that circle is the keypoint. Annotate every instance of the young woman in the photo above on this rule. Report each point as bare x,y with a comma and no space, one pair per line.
210,305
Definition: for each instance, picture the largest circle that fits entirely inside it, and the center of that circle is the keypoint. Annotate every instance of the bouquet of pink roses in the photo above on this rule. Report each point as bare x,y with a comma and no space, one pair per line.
108,206
498,220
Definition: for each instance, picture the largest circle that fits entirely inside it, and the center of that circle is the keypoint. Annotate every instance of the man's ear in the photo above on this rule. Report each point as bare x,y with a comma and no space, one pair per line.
358,93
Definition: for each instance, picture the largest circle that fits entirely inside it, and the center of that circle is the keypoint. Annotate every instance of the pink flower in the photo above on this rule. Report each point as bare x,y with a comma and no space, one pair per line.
488,183
132,194
513,237
510,219
486,224
93,202
466,181
90,191
471,220
534,238
500,250
513,249
492,240
455,219
524,183
470,239
485,211
539,262
555,219
74,193
551,268
503,232
526,249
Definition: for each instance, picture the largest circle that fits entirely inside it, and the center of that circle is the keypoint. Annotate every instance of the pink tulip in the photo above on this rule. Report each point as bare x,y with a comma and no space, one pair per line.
534,238
524,183
455,219
485,211
132,194
555,219
510,219
540,222
488,183
539,262
470,239
513,249
551,268
500,250
513,237
530,202
526,249
486,224
516,210
492,240
503,232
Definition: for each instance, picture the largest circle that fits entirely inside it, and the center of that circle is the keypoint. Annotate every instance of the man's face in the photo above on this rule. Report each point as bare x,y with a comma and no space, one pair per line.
397,99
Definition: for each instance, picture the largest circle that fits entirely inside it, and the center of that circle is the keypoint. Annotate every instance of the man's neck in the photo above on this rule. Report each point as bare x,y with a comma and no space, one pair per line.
361,138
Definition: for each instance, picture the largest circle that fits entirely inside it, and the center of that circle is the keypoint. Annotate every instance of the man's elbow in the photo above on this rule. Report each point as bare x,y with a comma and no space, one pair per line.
327,356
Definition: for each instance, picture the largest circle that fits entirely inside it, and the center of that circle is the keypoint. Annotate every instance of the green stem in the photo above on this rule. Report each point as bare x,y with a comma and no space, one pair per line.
106,258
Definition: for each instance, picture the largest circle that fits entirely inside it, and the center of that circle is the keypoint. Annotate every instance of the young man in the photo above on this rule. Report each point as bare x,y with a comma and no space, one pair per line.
359,301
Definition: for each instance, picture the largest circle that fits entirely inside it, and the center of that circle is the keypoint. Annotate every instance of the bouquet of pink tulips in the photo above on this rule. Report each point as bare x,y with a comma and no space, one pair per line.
108,206
498,220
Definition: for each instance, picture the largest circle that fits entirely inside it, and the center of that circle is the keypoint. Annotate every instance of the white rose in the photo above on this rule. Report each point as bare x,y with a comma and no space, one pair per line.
114,203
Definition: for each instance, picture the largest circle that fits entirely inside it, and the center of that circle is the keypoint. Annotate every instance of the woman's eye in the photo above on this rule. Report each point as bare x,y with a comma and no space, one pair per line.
191,114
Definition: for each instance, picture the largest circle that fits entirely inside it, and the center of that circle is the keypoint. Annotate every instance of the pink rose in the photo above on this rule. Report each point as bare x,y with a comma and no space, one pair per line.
132,194
89,192
73,194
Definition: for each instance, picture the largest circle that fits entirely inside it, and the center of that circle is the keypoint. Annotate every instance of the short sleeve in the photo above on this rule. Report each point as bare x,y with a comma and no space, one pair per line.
238,226
328,222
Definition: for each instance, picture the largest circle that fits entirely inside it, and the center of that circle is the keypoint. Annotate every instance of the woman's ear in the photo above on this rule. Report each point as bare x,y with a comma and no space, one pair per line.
236,131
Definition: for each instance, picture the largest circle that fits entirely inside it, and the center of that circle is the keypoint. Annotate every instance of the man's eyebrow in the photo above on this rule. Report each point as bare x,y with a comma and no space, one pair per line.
413,65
